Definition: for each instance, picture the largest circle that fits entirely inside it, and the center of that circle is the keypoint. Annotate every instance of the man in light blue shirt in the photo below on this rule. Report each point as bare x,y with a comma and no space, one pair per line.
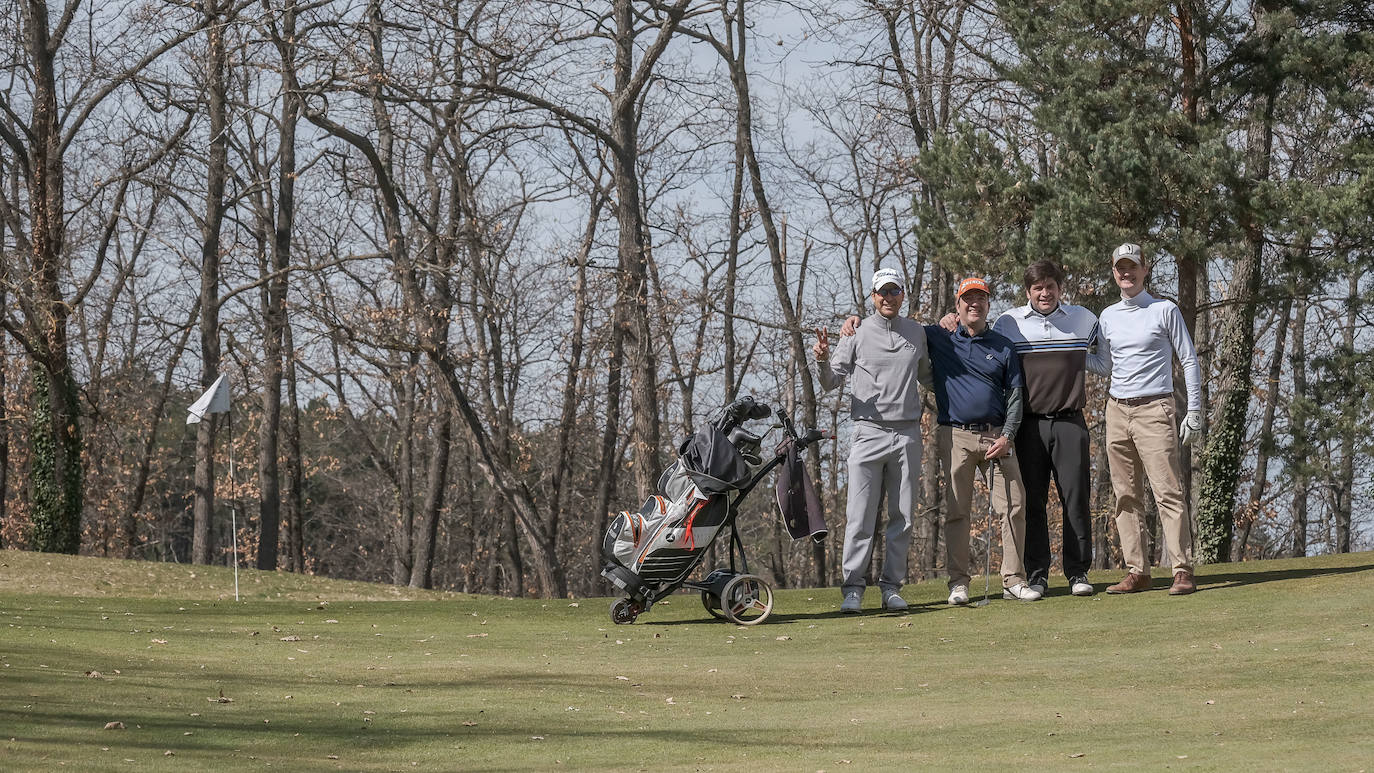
1144,334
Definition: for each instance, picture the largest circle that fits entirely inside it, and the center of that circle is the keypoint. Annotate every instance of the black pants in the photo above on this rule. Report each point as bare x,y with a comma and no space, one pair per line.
1055,447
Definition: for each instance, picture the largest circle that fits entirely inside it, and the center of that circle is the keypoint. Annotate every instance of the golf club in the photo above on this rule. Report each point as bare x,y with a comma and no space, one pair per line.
987,543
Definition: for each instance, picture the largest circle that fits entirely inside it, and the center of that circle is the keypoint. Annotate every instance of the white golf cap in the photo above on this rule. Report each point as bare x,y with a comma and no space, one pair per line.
1129,252
886,276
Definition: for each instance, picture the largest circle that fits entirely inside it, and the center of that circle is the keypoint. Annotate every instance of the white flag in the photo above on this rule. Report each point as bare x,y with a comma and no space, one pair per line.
215,400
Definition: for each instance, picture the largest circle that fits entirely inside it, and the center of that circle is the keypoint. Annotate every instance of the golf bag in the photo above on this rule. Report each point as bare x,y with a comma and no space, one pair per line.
650,552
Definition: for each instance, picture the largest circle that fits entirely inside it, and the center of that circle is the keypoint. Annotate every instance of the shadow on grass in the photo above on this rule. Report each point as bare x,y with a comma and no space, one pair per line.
795,617
1235,579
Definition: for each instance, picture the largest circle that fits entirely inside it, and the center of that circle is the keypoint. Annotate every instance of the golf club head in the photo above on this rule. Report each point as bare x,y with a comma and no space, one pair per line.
987,590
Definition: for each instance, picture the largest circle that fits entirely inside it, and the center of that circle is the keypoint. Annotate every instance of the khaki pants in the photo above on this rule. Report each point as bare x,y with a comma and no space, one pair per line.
961,455
1142,442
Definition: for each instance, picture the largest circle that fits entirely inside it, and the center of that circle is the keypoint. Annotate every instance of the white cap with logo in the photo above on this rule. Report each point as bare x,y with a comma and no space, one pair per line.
1129,252
886,276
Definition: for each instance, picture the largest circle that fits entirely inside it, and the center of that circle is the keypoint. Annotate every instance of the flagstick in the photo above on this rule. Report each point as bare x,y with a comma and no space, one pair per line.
233,507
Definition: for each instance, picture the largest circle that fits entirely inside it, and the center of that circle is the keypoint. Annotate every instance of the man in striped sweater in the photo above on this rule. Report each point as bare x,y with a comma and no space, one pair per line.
1056,341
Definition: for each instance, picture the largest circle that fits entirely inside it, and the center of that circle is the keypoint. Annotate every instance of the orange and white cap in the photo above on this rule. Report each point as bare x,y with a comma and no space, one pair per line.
972,283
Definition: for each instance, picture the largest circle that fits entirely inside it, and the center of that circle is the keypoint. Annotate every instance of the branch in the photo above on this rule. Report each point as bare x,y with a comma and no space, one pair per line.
125,76
654,51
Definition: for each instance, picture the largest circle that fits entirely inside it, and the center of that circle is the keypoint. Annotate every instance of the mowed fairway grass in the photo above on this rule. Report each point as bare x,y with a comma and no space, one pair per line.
1269,667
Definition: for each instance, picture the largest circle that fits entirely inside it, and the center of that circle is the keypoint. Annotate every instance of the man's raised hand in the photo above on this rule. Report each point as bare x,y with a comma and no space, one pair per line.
822,346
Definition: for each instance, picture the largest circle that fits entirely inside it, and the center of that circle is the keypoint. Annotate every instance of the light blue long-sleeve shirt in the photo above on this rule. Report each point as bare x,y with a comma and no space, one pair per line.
1144,334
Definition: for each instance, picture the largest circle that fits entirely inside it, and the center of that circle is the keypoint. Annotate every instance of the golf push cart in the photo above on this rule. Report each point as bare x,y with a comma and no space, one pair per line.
649,554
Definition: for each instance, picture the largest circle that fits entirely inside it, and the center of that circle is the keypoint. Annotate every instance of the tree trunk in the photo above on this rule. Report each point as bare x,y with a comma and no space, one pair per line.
56,469
403,530
422,571
274,317
202,546
1298,416
1351,416
1226,440
567,421
294,501
1191,259
4,390
1266,431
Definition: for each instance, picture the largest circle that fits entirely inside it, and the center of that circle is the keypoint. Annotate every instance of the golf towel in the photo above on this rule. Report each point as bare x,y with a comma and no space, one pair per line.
798,502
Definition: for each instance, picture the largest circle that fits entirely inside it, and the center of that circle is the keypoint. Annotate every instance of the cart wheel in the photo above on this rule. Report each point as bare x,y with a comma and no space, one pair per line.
624,611
746,600
712,603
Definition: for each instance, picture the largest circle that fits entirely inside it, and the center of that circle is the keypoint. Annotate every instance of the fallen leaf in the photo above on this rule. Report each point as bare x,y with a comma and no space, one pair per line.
159,641
536,738
95,675
1080,754
169,753
784,638
292,637
114,725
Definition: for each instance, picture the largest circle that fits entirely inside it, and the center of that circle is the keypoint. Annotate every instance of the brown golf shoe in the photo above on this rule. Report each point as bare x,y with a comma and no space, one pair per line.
1183,583
1133,583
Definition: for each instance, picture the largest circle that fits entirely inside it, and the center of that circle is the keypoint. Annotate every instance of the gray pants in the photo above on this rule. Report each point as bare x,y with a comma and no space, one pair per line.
882,457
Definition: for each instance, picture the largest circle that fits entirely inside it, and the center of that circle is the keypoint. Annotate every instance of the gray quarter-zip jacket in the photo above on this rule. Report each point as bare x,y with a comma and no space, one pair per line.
884,362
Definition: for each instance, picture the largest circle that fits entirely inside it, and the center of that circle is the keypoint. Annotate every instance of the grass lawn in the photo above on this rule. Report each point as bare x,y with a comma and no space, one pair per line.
1269,667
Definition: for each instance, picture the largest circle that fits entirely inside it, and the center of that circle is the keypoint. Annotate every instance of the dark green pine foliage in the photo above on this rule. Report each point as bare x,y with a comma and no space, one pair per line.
1107,155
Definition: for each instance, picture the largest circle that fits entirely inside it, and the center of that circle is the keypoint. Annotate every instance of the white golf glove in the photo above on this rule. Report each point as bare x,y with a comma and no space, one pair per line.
1192,427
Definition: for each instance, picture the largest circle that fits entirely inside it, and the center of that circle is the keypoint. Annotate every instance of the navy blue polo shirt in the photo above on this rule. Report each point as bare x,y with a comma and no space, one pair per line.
972,375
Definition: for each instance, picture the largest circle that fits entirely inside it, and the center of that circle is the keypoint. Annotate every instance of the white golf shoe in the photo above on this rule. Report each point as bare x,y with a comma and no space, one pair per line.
1021,592
958,595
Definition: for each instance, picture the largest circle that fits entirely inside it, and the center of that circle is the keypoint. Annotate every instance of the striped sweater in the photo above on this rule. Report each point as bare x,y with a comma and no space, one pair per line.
1055,349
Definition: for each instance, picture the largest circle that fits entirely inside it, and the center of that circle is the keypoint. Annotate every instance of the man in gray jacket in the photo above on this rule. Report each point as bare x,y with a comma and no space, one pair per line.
884,361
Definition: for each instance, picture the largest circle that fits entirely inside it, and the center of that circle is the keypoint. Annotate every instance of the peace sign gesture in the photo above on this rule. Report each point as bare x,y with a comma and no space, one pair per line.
822,346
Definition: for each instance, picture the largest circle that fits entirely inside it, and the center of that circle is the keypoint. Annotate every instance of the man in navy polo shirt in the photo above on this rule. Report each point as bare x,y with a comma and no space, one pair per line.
978,386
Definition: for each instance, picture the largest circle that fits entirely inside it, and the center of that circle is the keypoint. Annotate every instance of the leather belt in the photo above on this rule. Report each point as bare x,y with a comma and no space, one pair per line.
973,427
1134,401
1073,413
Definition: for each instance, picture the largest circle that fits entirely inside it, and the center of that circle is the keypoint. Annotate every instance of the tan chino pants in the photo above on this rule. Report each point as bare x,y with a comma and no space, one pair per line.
962,456
1142,442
